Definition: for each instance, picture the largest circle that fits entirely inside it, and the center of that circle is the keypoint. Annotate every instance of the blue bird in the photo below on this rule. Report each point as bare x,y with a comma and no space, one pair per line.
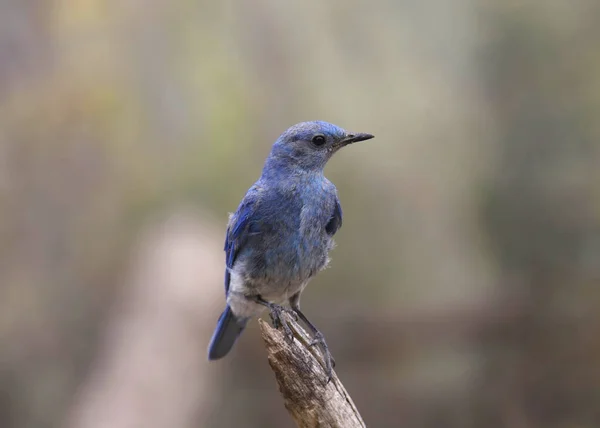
280,236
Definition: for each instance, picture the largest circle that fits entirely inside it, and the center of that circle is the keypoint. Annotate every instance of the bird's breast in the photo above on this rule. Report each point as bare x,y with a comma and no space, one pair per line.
294,244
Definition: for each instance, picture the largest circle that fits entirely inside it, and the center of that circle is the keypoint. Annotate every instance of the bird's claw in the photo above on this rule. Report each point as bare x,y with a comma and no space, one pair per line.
276,312
319,339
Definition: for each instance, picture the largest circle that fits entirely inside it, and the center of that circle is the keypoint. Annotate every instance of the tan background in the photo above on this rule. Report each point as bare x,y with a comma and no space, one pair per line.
465,289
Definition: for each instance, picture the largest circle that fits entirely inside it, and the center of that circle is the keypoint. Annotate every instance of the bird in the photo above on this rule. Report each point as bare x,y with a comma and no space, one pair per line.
280,236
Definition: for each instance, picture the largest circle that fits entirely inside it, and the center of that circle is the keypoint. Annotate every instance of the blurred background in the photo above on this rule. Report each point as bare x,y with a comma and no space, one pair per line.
465,288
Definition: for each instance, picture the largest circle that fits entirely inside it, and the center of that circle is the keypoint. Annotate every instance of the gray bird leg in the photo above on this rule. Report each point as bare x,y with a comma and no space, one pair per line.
275,312
318,338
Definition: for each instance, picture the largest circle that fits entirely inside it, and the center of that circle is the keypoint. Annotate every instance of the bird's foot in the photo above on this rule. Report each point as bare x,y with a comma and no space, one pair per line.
276,312
319,339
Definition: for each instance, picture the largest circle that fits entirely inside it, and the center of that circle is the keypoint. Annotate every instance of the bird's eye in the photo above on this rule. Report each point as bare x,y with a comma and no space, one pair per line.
318,140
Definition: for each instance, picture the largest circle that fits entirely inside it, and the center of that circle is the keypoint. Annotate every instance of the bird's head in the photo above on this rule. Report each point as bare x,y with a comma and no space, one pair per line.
309,145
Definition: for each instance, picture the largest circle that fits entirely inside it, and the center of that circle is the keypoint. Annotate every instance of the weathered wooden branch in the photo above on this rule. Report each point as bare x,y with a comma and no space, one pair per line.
299,370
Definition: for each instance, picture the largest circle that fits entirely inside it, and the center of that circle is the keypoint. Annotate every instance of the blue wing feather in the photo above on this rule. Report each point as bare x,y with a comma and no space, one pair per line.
335,222
237,233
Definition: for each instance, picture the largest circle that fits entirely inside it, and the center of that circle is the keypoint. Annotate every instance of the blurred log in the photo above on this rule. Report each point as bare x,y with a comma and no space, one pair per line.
309,398
151,369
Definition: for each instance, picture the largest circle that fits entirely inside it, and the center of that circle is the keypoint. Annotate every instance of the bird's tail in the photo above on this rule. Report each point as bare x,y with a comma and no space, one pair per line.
228,329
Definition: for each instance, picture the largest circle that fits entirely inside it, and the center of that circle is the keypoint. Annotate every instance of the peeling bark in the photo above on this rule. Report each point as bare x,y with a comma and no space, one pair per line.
299,370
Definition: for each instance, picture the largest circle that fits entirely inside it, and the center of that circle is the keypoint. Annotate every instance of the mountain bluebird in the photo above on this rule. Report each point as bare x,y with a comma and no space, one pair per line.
280,235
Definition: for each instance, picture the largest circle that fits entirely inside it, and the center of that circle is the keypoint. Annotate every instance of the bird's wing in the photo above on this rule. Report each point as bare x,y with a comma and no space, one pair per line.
238,230
335,222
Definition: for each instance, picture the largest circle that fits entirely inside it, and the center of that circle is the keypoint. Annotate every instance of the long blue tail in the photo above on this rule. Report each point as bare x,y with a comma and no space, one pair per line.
227,331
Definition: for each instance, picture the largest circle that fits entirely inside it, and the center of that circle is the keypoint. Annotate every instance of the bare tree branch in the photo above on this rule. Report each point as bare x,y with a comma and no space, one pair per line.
310,399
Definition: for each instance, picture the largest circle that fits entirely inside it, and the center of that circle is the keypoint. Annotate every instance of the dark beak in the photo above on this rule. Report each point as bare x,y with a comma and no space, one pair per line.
355,138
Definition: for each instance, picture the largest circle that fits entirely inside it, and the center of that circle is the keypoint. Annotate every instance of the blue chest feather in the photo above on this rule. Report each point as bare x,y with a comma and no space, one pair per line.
284,232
